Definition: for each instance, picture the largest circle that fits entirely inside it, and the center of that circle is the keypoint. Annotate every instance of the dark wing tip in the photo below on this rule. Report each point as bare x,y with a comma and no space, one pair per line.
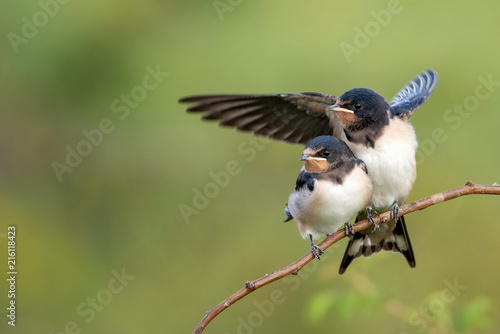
201,98
287,213
186,99
208,102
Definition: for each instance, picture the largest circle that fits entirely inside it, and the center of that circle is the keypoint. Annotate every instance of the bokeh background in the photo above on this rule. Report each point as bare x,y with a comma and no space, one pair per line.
118,211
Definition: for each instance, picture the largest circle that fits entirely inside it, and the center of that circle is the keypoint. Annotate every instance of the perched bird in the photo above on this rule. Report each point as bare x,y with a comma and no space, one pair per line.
377,132
332,187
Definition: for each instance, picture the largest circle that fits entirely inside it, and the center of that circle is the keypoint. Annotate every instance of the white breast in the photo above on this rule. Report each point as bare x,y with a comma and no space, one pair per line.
330,205
391,163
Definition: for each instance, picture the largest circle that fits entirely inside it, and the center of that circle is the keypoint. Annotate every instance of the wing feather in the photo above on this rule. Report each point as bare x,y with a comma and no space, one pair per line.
294,117
414,94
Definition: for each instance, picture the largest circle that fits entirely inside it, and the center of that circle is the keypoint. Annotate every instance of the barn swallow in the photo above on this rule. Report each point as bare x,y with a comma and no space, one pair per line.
332,187
377,132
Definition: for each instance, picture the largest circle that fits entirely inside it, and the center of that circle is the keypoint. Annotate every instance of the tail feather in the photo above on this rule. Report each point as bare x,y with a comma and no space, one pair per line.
403,243
351,251
362,244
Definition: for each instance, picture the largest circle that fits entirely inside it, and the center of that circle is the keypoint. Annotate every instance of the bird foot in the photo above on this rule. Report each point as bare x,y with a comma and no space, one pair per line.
395,212
349,230
370,213
315,250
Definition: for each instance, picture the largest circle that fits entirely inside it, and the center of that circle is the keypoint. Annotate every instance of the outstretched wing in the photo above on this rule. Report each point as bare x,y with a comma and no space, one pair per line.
414,94
294,118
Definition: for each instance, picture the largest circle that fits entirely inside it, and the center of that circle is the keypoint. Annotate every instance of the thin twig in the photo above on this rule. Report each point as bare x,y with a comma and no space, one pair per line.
293,269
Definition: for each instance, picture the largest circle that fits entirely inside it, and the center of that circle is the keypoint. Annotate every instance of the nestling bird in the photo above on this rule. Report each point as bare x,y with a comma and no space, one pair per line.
332,187
377,132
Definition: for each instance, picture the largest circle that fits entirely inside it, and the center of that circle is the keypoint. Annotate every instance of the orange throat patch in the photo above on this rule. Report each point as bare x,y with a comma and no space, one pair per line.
316,165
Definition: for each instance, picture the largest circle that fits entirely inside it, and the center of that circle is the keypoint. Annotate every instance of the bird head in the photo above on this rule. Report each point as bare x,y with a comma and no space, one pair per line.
358,108
324,152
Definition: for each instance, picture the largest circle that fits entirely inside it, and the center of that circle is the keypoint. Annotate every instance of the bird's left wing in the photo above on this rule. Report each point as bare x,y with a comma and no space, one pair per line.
294,117
414,94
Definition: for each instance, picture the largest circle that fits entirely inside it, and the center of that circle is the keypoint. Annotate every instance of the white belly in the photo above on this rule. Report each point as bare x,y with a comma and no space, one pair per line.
391,163
329,206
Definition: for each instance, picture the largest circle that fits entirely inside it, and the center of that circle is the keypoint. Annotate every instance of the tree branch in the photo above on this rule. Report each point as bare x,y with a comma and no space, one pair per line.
293,269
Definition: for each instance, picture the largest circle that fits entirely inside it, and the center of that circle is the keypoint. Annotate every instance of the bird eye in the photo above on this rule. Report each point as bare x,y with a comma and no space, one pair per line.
326,153
357,106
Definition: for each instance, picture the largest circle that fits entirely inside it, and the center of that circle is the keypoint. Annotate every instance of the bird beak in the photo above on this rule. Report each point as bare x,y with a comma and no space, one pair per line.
305,157
336,108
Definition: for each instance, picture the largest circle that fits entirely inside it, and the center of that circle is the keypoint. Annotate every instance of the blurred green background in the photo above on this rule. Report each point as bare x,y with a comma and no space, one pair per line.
69,67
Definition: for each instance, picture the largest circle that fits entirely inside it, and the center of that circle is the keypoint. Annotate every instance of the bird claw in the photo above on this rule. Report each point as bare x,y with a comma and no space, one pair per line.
349,230
315,250
369,214
395,212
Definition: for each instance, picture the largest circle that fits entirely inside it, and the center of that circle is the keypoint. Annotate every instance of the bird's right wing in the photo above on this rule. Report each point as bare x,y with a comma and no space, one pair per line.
414,94
294,118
